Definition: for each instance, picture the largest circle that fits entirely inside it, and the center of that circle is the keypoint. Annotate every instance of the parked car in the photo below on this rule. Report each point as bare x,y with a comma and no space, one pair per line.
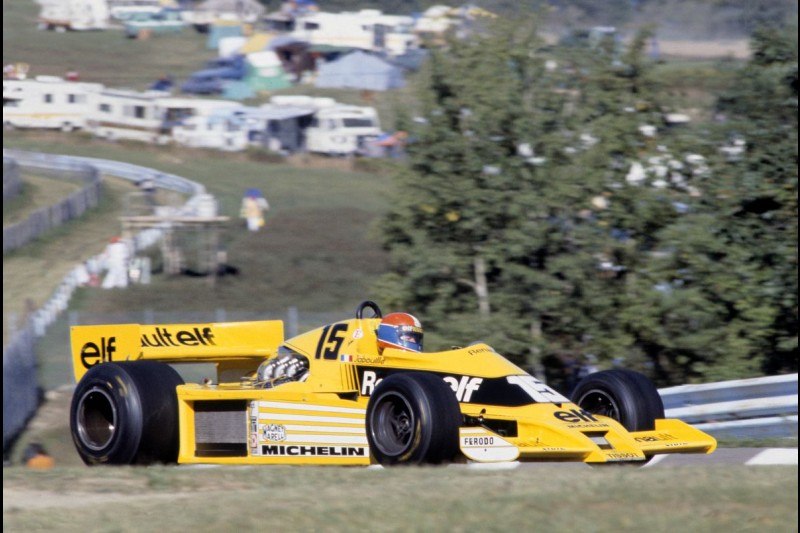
165,21
211,80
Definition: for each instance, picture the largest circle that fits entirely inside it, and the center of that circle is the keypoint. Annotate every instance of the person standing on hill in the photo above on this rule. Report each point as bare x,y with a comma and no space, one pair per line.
253,206
117,256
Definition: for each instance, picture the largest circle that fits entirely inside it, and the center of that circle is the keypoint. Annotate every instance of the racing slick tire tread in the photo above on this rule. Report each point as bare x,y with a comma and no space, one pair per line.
126,413
636,399
428,411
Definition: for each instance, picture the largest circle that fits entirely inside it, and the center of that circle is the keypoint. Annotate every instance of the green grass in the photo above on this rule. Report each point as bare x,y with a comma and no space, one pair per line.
37,191
98,56
542,498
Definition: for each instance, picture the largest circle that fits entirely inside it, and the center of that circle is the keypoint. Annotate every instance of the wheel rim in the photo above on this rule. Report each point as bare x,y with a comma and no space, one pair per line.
392,424
97,419
598,402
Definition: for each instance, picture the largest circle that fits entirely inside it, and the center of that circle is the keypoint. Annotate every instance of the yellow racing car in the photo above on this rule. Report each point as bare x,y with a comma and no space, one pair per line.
337,395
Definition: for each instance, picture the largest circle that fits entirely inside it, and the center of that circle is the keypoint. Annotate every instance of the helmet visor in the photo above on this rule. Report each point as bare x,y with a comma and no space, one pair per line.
405,337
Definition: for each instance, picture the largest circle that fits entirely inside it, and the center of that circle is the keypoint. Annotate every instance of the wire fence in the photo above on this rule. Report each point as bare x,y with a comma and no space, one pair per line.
12,182
45,219
21,392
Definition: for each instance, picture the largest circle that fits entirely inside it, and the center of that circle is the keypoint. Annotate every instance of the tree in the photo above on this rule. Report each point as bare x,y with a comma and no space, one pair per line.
545,210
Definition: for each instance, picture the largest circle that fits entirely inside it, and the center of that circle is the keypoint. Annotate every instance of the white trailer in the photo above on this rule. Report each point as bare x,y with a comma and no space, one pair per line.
149,116
77,15
224,131
207,124
127,115
47,102
125,9
368,29
342,130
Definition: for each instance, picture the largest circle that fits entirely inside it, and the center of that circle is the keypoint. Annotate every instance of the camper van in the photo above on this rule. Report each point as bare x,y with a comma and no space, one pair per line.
342,130
127,115
220,127
125,9
47,102
147,116
76,15
368,29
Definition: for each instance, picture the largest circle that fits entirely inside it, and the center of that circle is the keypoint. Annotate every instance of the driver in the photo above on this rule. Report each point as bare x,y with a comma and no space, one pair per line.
400,330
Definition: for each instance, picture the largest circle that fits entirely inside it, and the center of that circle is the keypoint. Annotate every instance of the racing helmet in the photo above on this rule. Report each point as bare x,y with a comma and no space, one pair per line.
400,330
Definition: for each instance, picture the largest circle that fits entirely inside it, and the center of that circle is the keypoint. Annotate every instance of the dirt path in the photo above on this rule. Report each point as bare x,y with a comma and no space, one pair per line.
737,49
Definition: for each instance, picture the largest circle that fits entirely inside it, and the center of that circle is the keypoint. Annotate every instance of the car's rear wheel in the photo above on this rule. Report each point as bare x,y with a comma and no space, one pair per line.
624,395
126,413
413,418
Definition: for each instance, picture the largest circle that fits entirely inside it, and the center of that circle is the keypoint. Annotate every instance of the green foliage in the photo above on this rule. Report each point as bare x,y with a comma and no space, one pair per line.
518,221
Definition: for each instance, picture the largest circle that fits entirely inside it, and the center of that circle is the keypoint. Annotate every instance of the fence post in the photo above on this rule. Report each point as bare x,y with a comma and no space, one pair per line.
291,322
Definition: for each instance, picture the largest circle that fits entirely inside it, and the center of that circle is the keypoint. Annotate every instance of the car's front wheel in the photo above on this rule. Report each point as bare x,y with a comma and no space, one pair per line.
413,418
624,395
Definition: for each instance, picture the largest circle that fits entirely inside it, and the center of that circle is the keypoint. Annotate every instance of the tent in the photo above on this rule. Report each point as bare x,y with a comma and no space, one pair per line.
360,70
265,72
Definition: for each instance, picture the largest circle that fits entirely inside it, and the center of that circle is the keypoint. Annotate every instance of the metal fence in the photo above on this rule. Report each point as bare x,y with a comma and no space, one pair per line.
21,390
744,408
45,219
12,183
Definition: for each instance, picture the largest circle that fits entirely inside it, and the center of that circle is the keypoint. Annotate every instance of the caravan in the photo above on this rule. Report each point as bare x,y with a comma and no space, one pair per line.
220,127
368,29
342,130
47,102
76,15
127,115
146,116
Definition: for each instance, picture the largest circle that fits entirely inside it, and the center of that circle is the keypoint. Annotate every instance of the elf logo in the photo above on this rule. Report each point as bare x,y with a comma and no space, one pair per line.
92,354
574,416
463,386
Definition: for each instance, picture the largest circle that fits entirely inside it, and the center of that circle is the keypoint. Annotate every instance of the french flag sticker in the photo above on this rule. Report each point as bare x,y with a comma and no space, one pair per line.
346,358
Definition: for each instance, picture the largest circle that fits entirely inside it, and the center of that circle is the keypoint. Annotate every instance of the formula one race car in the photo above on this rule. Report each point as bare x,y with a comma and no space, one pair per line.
331,396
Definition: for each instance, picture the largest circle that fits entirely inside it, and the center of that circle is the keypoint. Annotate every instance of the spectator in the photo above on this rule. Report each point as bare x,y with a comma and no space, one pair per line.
148,187
253,206
164,83
117,257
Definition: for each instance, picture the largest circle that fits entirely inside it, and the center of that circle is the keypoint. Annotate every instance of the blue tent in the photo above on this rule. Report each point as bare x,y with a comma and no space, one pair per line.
360,70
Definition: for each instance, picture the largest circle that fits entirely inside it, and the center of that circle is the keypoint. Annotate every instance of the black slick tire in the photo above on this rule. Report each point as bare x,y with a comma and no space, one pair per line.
126,413
413,418
624,395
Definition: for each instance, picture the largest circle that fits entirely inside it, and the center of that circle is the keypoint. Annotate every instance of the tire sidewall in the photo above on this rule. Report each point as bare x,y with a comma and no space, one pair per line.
144,399
112,380
636,398
436,417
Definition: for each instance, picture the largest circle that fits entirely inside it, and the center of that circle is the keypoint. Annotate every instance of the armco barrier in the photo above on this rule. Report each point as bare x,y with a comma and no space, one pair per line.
745,408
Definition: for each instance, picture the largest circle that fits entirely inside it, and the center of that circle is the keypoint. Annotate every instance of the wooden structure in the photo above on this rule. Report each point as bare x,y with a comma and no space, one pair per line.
206,229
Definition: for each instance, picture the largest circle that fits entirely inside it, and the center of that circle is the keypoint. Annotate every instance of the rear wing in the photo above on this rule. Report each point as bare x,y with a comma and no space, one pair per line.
229,344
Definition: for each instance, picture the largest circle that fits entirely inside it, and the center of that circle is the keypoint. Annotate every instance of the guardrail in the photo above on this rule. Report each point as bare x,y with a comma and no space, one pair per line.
745,408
